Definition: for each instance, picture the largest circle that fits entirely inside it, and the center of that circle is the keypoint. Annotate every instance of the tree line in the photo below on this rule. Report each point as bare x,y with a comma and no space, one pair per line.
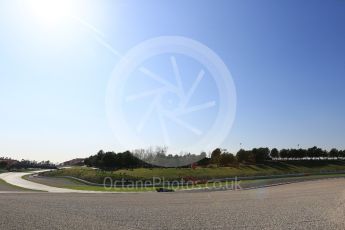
10,164
219,157
313,153
160,158
260,155
137,159
112,160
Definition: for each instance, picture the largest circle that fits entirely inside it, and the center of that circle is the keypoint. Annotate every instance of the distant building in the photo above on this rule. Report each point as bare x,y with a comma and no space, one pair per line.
74,162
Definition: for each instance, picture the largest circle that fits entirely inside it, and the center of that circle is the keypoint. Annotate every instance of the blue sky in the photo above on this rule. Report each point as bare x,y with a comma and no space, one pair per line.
287,60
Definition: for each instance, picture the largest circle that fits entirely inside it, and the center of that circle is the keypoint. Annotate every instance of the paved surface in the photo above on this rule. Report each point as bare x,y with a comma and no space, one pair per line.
307,205
55,181
15,178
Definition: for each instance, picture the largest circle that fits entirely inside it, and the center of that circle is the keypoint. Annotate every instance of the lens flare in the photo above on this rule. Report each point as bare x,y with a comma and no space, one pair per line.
51,13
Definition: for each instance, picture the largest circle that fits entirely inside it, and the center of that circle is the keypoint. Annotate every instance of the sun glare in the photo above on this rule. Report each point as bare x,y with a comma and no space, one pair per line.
52,12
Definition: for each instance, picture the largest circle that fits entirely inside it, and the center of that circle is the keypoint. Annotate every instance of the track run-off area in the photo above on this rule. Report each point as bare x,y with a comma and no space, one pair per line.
307,205
318,204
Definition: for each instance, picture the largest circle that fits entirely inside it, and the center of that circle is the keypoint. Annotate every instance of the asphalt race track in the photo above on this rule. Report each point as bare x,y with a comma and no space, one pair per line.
307,205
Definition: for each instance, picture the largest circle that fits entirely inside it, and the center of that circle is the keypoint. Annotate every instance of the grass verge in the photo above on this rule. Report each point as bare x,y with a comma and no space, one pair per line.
169,174
245,184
